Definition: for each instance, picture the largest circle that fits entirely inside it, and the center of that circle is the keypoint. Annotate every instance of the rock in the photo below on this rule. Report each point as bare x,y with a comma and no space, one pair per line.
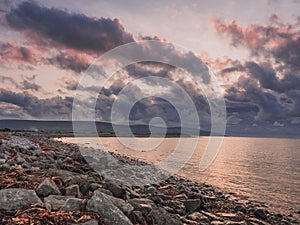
261,214
105,191
161,217
47,187
240,208
142,204
121,204
73,190
20,160
90,222
95,186
181,197
116,189
150,190
132,193
55,202
73,204
2,161
211,216
15,198
192,204
69,177
138,217
254,221
195,216
101,204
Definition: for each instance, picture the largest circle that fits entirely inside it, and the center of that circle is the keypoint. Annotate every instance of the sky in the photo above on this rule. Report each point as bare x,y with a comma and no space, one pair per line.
252,47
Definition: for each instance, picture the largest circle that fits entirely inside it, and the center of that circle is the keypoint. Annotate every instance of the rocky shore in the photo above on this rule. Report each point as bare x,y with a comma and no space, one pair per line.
43,181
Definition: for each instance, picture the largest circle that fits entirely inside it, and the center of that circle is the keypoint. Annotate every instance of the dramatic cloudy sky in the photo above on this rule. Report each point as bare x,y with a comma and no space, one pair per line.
253,48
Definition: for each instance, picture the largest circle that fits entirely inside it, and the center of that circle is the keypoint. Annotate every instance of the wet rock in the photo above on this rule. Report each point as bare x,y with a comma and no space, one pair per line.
73,190
55,202
261,214
73,204
101,204
15,198
192,204
47,187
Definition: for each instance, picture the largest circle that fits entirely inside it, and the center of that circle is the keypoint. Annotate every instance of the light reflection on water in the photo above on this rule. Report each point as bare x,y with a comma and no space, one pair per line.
264,169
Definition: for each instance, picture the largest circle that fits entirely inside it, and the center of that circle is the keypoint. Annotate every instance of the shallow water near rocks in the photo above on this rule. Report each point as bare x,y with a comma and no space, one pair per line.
262,169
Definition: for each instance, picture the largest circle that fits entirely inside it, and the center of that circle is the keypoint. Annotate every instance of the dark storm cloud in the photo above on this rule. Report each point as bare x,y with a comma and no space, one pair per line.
268,78
262,92
55,107
269,87
72,30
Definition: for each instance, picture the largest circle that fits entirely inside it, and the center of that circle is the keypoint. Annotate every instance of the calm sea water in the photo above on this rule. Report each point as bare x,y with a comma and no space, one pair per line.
261,169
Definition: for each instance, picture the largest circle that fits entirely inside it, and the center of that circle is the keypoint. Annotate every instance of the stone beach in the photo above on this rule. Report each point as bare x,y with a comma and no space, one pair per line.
43,181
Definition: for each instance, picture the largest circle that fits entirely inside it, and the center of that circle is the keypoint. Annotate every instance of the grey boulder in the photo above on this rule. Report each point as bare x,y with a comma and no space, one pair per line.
102,205
15,198
47,187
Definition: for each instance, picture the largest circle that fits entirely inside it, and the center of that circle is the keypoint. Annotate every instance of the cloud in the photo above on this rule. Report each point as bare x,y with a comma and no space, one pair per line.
275,40
75,31
10,52
71,60
51,108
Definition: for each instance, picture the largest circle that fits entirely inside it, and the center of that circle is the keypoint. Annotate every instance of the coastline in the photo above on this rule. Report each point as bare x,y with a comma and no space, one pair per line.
176,200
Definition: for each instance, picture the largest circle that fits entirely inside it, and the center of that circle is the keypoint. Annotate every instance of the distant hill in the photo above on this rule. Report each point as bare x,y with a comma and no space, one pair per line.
103,127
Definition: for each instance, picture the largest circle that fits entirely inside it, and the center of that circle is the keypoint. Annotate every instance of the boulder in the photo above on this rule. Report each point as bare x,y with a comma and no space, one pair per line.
101,204
73,204
47,187
55,202
15,198
121,204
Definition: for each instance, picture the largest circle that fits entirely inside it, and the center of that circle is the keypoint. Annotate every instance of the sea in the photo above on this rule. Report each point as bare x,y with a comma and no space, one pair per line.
265,170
